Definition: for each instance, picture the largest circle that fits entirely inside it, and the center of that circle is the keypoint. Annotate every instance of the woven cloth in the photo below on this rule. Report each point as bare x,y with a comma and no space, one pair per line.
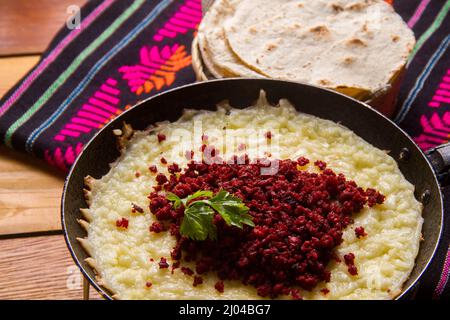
125,51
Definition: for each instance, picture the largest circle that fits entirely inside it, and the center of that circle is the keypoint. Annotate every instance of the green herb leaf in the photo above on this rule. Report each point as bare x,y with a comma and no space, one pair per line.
198,218
232,209
198,194
198,223
175,199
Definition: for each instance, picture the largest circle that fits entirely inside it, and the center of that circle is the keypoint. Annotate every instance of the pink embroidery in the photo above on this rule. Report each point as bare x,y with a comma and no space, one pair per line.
100,109
63,159
418,14
436,130
186,18
156,69
444,276
54,54
442,94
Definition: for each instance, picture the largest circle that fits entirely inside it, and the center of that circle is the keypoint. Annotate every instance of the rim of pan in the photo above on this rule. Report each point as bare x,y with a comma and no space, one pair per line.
73,169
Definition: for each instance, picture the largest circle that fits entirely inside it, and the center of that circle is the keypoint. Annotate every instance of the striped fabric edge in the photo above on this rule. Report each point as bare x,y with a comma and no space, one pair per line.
418,13
418,86
443,280
431,30
95,69
71,69
51,57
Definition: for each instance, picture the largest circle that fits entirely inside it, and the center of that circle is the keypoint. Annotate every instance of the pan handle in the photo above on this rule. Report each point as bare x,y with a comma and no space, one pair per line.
440,160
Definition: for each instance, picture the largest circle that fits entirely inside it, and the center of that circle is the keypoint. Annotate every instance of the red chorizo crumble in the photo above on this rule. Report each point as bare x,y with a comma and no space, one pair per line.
269,135
197,281
189,155
360,232
122,223
211,151
374,197
173,168
135,208
161,179
137,174
187,271
148,284
349,260
161,137
175,265
353,270
295,293
299,219
320,164
219,286
163,160
325,291
157,227
302,161
163,263
153,169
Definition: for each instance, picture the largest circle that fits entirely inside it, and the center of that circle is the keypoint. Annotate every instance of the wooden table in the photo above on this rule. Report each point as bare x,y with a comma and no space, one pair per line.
34,260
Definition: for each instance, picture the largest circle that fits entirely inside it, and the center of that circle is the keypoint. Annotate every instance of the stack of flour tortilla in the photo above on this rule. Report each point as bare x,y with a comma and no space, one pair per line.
357,47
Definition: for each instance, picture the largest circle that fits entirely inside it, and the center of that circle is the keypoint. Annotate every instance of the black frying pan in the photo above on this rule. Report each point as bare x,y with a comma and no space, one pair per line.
326,104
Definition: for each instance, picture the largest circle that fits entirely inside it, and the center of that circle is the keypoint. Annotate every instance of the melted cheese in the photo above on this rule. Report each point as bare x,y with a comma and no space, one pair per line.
384,258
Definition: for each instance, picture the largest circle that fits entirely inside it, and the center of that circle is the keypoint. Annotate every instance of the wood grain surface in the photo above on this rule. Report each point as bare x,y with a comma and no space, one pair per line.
27,26
39,268
30,193
12,69
30,190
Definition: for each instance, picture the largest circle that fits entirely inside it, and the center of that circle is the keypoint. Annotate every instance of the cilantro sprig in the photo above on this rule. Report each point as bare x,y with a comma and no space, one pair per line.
200,209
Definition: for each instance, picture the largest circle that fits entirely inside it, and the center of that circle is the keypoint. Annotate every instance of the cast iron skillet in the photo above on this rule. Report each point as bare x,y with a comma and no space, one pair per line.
326,104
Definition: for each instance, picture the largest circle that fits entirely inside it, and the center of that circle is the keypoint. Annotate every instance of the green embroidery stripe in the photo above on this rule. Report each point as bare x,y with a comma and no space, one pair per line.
436,24
71,69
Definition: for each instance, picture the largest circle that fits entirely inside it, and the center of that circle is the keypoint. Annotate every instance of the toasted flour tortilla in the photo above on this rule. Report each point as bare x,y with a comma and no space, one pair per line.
357,47
215,52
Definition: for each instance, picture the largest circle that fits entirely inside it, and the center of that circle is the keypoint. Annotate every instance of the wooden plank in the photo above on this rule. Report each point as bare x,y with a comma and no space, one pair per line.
27,27
30,193
13,69
39,268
